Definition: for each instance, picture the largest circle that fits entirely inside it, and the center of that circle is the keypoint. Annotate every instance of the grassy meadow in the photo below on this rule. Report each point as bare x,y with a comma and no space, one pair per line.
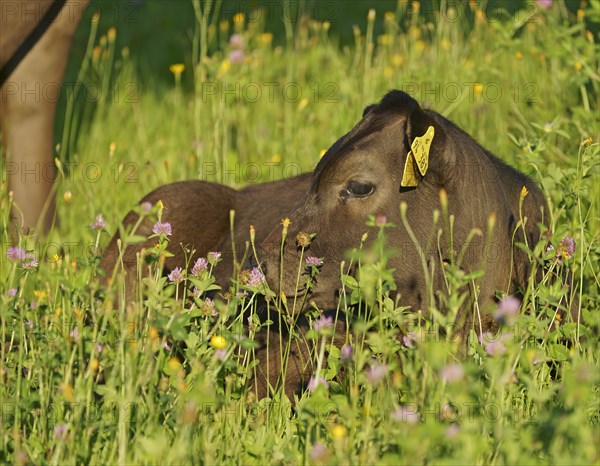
245,98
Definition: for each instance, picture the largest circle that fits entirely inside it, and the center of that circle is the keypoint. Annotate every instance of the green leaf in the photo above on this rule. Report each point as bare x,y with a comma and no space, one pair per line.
558,352
568,329
349,282
178,327
192,340
248,344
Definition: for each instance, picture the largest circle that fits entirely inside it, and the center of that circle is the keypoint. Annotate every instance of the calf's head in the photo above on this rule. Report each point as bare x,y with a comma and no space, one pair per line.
371,171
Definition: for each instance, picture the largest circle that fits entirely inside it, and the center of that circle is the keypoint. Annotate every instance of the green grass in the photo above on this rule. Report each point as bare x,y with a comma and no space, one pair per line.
537,402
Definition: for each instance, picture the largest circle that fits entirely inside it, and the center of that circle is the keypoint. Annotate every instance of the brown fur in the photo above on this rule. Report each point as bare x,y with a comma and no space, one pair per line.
198,212
27,118
199,215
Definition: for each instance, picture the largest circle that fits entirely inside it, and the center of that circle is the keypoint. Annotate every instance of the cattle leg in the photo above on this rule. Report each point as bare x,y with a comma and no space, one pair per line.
28,105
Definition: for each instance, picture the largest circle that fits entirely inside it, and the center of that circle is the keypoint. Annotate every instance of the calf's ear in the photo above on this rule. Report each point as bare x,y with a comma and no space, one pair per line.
339,142
367,109
426,145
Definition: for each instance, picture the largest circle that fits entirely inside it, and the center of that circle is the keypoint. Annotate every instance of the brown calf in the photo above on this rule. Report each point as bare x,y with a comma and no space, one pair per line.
398,153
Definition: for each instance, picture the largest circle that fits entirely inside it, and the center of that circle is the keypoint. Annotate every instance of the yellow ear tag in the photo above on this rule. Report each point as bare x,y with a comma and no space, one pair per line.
409,177
420,149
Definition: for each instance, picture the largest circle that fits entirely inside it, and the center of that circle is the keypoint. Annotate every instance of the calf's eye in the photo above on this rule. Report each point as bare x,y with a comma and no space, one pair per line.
359,189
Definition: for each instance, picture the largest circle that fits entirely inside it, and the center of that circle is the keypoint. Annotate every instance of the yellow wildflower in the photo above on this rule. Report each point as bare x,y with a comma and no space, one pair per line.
238,21
414,32
397,59
338,432
239,18
224,67
112,34
174,364
177,69
218,342
67,391
94,364
266,38
385,39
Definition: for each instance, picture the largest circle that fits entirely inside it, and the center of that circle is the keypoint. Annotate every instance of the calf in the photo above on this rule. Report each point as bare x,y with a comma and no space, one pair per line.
398,153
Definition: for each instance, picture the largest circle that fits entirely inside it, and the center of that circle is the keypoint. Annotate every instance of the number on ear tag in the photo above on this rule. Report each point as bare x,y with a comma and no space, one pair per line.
420,149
